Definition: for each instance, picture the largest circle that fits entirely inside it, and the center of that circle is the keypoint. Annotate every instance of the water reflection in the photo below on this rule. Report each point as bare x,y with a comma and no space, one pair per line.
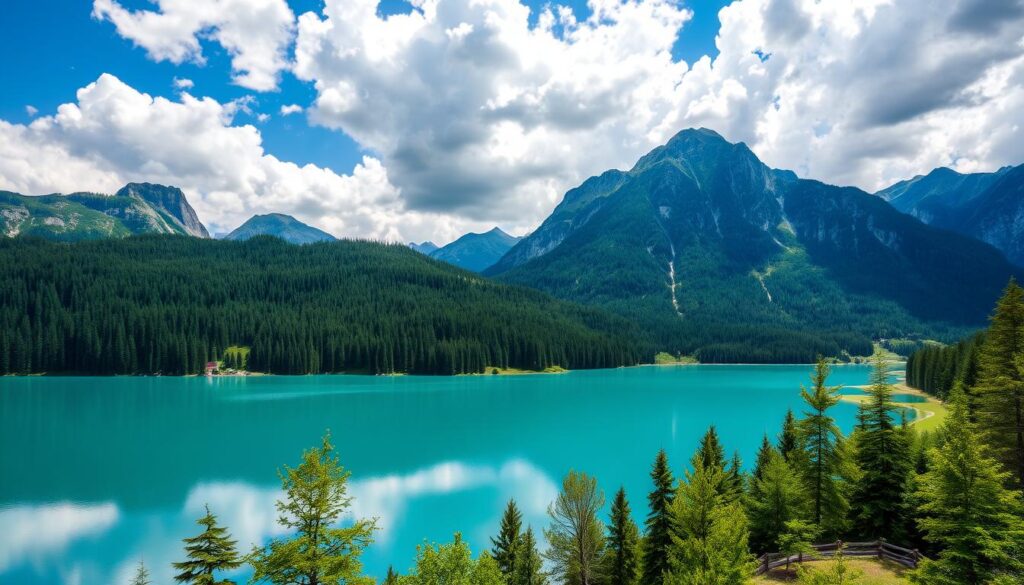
37,534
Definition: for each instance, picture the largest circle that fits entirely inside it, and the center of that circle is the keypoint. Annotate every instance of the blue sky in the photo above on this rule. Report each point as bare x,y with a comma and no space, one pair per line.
61,48
461,115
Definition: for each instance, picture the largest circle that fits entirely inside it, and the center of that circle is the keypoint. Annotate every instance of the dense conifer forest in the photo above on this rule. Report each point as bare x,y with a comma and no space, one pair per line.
936,368
168,304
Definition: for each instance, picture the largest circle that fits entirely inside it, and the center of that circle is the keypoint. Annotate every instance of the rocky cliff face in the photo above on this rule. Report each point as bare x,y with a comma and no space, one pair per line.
171,205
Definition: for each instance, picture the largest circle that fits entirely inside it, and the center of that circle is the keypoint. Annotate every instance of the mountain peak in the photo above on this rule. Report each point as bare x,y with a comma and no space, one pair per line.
281,226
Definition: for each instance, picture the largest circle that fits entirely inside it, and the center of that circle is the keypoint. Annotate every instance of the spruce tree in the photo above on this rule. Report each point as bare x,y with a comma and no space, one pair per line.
317,551
658,539
882,455
392,577
823,456
967,512
1000,386
529,568
763,454
141,575
506,544
734,484
775,499
212,550
789,439
709,543
623,567
710,452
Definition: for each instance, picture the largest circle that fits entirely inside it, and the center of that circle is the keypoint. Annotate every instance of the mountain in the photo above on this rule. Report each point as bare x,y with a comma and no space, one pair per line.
137,208
159,304
427,247
476,252
987,206
718,255
282,226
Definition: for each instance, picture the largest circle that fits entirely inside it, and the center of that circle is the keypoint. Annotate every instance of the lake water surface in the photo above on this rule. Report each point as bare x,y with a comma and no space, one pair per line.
96,473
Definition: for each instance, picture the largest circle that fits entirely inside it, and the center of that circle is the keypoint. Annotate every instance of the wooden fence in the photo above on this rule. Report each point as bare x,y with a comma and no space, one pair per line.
879,549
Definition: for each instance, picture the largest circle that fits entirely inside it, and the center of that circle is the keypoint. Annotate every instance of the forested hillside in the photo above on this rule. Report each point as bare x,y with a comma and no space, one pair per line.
167,304
937,368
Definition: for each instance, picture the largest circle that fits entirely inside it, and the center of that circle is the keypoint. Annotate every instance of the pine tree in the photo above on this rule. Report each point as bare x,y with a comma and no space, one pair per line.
763,454
777,497
1000,386
141,575
317,552
789,439
623,544
506,544
734,484
658,525
967,512
710,452
212,550
392,577
575,537
883,458
529,568
823,456
709,544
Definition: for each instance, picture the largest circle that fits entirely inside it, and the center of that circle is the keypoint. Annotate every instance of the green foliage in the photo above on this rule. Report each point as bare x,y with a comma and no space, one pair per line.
658,539
789,437
776,498
169,304
823,461
575,536
529,567
883,457
936,368
999,392
710,452
141,575
452,564
506,545
622,566
317,551
764,454
709,543
212,550
967,512
836,573
798,537
236,358
391,578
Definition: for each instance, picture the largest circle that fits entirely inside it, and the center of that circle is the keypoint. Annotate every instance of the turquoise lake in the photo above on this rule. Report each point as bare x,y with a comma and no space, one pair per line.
96,473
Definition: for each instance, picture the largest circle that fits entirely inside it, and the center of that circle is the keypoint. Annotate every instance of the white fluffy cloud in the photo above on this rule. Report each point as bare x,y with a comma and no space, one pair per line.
474,110
256,33
289,109
114,134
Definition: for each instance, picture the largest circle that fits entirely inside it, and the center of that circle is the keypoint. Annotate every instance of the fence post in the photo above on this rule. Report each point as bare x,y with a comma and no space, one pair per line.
765,562
800,558
881,548
917,557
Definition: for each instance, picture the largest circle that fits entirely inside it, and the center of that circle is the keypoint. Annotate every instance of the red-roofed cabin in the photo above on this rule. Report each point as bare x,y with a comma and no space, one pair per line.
211,367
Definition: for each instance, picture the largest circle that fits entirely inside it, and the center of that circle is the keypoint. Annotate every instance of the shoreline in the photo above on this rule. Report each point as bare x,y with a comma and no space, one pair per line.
927,418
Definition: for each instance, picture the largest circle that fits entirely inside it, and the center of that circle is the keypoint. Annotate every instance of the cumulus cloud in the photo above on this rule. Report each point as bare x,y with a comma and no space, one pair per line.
290,109
256,33
114,134
183,83
473,109
31,111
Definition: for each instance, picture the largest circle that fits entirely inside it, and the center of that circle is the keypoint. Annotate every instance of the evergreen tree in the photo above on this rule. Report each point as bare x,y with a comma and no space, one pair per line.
823,456
212,550
789,438
317,552
658,539
141,575
775,499
529,568
623,566
709,545
734,483
883,458
968,514
1000,387
710,452
451,564
506,544
575,537
392,577
763,454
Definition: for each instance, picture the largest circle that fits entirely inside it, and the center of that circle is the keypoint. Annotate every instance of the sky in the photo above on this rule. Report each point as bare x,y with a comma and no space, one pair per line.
408,121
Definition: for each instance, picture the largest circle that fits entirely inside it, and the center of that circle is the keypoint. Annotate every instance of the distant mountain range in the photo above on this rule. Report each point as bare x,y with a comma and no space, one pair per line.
137,208
472,251
719,255
281,226
987,206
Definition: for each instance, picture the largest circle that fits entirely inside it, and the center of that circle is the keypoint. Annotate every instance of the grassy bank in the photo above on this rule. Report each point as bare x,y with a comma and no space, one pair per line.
930,414
873,572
